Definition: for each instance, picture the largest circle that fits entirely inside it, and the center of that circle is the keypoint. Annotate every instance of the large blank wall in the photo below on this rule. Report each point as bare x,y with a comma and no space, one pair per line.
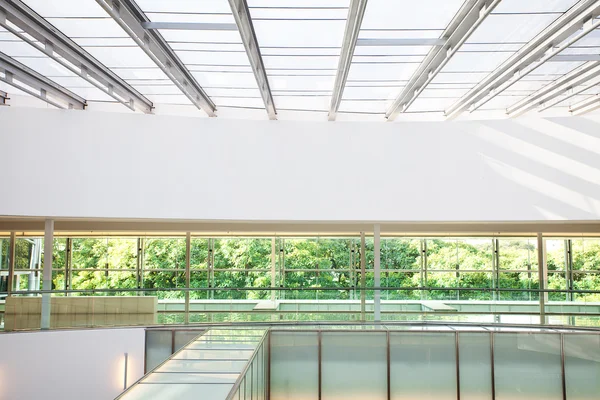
86,164
84,364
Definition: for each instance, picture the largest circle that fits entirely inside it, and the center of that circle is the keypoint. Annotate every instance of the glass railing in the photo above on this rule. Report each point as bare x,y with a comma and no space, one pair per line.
148,307
379,361
217,365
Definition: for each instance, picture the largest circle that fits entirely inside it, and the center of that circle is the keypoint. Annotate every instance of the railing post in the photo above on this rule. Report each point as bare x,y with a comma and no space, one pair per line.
48,250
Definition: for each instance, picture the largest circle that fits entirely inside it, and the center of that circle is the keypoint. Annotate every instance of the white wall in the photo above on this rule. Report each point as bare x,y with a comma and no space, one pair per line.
84,364
86,164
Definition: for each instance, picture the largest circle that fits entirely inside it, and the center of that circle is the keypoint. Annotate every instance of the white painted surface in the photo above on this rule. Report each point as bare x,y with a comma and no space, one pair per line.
86,364
59,163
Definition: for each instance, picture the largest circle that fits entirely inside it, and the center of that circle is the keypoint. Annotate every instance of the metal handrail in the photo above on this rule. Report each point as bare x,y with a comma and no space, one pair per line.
242,376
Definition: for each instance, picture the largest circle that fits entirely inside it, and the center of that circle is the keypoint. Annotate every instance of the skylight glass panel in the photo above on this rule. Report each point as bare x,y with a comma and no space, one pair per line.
215,58
408,14
300,43
465,62
511,28
414,26
65,8
374,106
422,104
534,6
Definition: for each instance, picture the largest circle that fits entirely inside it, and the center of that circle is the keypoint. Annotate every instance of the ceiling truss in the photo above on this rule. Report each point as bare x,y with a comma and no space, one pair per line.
355,16
133,20
468,19
573,25
241,13
27,80
24,23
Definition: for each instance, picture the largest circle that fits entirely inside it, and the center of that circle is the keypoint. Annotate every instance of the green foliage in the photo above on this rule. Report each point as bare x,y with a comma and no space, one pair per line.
99,263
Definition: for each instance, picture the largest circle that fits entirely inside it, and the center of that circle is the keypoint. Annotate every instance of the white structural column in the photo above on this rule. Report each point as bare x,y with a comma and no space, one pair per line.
11,263
273,264
543,276
48,245
188,246
363,280
377,272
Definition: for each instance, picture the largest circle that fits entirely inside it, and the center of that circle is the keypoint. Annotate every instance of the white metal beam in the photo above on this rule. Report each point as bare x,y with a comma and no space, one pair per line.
356,13
466,21
573,25
29,81
132,19
557,88
241,13
590,84
588,105
23,22
189,26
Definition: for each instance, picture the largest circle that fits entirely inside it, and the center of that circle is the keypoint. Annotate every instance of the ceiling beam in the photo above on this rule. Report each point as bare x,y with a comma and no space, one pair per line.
23,22
566,84
569,28
588,105
356,13
132,19
31,82
466,21
241,13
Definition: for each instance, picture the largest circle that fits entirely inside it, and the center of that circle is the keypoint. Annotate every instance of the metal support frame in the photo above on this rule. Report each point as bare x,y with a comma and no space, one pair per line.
556,90
588,105
135,22
579,20
241,13
11,262
188,247
22,21
377,272
210,265
3,97
467,20
356,12
35,84
48,250
542,275
363,278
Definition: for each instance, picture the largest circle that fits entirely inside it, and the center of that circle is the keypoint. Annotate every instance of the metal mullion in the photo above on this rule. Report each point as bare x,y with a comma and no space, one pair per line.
457,359
569,268
68,261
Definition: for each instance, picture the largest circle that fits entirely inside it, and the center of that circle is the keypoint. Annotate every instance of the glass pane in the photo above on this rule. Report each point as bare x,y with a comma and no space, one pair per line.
582,366
158,348
184,337
423,366
354,365
527,366
475,366
294,365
